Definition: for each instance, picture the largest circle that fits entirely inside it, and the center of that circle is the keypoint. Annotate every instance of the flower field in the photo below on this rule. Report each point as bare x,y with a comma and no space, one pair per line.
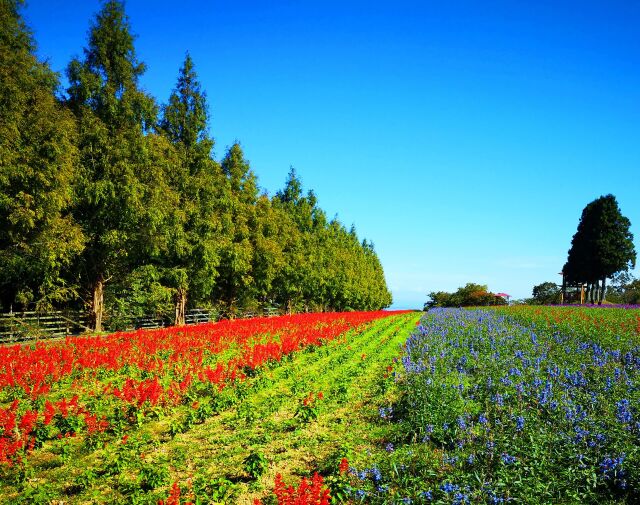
134,417
501,405
606,325
513,405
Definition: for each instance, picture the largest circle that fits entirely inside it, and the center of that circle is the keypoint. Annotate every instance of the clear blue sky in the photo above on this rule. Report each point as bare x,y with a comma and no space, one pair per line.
463,138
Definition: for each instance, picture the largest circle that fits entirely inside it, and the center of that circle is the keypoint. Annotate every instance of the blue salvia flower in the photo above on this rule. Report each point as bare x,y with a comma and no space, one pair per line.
460,499
448,487
449,460
623,414
507,459
611,467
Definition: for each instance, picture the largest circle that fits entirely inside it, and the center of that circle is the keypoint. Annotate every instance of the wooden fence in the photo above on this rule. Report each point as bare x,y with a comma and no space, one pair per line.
32,325
29,325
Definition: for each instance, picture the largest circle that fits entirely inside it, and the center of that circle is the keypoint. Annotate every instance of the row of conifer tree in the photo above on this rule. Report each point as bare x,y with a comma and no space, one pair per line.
116,205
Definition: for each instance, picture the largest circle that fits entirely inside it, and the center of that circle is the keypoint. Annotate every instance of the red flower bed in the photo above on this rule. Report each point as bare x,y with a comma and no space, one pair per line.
144,368
307,493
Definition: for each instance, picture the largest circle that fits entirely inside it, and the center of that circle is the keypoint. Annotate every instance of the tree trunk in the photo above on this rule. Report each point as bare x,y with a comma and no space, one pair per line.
181,307
231,309
602,293
97,305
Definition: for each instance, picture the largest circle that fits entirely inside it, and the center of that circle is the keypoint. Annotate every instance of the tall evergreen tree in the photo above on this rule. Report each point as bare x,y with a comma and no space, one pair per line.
325,266
194,253
268,228
116,191
241,193
38,161
186,117
601,247
293,281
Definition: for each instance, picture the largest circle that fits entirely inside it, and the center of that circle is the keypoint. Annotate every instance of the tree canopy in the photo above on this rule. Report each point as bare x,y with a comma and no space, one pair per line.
469,295
115,205
39,239
601,247
546,293
624,289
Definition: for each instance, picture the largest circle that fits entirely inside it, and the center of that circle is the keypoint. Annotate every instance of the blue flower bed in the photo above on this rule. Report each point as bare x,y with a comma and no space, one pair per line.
490,411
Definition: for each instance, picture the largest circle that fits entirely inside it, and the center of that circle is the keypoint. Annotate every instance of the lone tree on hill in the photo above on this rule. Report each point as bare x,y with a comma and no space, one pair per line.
601,247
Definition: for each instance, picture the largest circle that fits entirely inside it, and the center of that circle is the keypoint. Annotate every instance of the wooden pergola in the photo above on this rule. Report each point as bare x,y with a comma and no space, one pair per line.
572,292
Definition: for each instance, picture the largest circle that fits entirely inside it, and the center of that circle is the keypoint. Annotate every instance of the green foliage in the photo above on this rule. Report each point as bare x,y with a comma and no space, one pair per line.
235,272
601,247
139,294
217,490
470,295
325,266
309,408
193,252
546,293
153,475
624,289
122,195
105,206
86,479
185,117
255,464
36,494
631,294
39,240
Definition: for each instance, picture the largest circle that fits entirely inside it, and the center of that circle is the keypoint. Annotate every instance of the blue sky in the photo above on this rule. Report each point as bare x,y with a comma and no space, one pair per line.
463,138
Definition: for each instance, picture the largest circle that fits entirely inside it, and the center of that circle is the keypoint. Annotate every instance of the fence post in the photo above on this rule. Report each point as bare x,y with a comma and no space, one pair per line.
11,322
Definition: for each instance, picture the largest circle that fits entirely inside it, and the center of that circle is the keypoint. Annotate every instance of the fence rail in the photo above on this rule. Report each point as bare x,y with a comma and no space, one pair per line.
28,325
32,325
